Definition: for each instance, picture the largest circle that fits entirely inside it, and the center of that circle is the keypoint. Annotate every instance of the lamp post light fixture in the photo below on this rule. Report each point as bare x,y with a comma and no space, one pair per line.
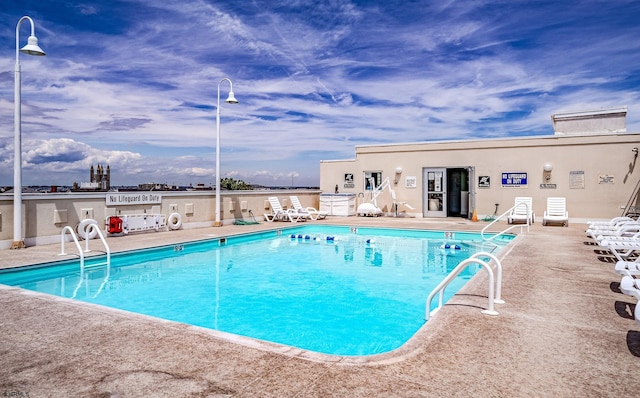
31,48
231,99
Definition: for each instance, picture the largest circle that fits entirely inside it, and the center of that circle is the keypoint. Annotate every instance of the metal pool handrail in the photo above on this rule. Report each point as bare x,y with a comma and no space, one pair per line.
495,289
509,228
75,240
95,227
91,226
81,279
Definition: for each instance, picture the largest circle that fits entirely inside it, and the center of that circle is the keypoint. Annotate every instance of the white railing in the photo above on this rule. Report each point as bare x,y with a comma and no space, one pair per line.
89,228
527,224
495,283
75,239
94,226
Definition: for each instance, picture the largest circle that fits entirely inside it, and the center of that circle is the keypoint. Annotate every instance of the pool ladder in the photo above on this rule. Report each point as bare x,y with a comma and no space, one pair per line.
81,253
495,283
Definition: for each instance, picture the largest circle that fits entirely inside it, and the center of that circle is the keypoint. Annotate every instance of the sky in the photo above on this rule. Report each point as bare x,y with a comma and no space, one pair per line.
134,83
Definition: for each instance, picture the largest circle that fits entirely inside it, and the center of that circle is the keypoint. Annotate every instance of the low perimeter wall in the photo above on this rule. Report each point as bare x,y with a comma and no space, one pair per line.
44,215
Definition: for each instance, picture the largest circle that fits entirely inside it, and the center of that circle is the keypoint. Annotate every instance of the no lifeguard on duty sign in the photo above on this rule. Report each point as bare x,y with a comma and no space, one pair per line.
514,179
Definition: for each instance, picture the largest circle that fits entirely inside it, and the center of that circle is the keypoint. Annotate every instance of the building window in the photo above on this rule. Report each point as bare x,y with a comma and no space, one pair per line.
372,179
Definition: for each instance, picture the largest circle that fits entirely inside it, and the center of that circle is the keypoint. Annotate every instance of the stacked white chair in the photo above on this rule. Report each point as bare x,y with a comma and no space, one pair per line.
621,237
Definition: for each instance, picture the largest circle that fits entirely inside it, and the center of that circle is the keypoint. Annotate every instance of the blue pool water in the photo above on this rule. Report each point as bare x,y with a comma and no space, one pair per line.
359,292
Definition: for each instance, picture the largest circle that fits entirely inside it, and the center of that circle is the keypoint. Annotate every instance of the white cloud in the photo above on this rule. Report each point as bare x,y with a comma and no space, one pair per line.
135,86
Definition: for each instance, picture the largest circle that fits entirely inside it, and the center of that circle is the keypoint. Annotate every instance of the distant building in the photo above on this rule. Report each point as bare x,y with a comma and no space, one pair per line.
99,180
199,187
152,186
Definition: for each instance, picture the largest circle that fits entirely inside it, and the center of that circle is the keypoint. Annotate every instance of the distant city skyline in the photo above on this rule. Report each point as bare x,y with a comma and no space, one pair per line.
133,83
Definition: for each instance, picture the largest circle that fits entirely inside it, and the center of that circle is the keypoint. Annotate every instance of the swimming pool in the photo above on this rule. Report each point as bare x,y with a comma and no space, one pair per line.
334,290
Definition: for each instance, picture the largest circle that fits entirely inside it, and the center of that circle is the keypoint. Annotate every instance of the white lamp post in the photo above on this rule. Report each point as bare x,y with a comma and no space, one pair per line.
231,99
31,48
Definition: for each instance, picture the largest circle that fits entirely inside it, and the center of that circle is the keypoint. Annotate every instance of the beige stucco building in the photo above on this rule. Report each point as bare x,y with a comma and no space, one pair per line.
590,160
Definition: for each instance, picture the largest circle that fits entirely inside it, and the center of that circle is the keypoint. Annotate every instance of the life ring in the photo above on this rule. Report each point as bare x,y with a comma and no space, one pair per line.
82,229
174,221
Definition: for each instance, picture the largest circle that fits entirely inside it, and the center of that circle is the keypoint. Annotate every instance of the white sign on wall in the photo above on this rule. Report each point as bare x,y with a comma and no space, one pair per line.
410,182
606,179
576,179
133,198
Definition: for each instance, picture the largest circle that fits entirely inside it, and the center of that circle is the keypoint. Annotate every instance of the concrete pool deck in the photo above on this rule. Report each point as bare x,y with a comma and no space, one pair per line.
564,331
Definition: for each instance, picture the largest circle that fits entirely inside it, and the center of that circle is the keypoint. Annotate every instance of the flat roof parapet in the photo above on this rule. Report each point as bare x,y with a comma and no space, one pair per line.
610,120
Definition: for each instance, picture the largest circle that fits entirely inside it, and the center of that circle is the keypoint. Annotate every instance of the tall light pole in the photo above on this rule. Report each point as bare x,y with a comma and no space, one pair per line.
31,48
231,99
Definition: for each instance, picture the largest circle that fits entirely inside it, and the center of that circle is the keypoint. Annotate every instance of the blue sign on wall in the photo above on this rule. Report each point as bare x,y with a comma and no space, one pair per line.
514,179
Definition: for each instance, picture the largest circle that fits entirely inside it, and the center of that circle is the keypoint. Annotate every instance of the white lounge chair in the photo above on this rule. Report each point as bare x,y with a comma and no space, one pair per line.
312,212
615,228
624,249
628,268
626,232
523,211
278,213
608,223
631,286
556,211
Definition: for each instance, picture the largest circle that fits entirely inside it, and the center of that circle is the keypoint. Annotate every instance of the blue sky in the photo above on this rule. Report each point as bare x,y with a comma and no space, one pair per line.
133,83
